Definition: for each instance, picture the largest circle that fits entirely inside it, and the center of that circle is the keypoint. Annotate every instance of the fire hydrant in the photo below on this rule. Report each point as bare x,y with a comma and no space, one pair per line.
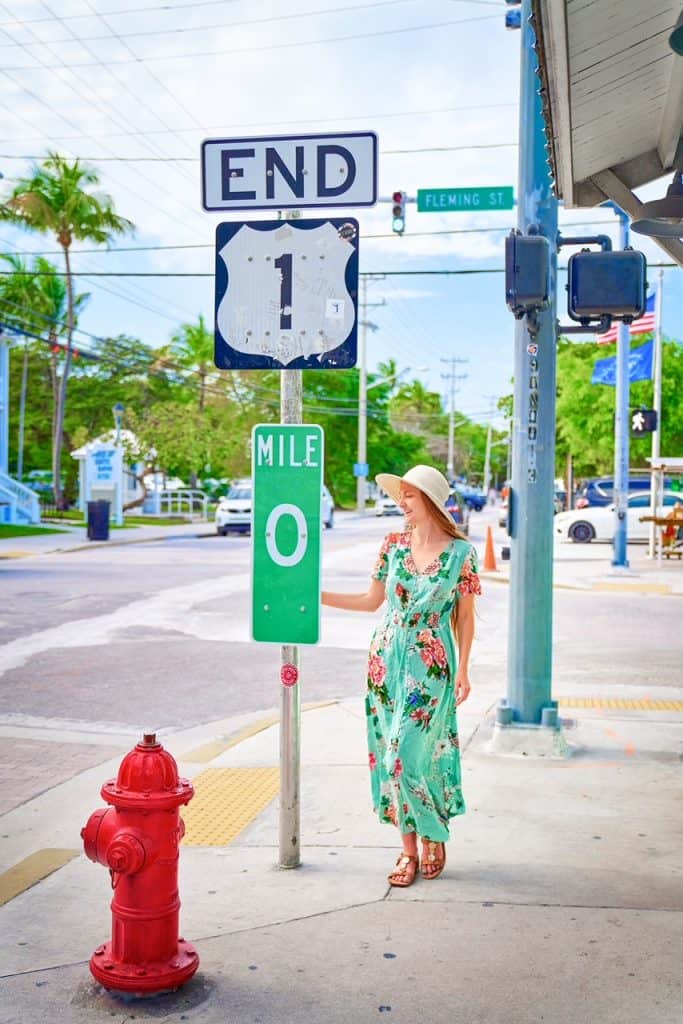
137,838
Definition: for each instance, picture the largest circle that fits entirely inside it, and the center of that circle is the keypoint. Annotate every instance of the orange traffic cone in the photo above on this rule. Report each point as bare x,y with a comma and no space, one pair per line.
490,554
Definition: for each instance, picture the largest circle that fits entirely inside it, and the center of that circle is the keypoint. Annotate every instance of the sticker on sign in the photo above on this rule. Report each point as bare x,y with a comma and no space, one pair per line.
287,172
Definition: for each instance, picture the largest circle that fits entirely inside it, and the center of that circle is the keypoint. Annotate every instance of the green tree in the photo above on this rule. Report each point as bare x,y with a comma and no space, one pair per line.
585,411
57,199
33,302
192,347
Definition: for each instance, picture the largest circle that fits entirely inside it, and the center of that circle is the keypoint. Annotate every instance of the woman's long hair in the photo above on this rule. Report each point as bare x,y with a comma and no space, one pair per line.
444,521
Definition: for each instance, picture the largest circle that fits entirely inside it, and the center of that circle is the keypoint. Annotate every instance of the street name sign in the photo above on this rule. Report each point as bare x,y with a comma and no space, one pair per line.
287,474
286,294
285,172
449,200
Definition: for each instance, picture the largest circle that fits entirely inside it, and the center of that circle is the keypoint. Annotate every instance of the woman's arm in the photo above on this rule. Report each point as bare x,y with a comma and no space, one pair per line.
368,602
464,634
464,629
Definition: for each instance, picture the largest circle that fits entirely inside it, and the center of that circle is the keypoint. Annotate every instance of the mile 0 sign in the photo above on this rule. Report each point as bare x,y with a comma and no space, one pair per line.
286,294
287,474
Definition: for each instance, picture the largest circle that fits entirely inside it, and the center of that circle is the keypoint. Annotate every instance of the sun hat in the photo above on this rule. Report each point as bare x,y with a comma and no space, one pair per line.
426,479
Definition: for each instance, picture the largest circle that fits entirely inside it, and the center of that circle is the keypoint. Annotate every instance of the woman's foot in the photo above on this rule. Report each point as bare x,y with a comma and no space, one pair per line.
433,858
405,871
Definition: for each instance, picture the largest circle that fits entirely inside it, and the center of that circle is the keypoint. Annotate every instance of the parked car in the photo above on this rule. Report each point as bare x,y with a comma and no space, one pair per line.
233,513
600,490
327,509
596,522
386,506
473,497
459,509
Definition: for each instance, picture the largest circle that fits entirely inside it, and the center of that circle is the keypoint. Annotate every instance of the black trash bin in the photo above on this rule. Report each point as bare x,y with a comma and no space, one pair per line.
98,520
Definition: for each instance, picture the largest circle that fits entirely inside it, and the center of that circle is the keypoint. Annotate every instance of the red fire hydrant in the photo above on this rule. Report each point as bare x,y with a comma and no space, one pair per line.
137,839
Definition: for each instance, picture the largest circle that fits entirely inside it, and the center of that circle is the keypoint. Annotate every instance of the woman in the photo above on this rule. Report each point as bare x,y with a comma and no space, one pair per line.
428,576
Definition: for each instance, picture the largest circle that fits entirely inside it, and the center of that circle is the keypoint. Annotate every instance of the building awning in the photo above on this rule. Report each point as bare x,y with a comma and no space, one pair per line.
613,98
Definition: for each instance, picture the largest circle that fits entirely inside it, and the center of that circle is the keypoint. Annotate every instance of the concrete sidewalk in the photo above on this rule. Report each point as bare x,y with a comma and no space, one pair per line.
561,901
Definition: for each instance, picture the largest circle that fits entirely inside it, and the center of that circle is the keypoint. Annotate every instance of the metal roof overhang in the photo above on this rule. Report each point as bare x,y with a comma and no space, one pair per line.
613,98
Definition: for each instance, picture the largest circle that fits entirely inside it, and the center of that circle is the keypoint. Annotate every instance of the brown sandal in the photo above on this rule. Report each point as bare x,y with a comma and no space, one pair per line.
430,855
403,862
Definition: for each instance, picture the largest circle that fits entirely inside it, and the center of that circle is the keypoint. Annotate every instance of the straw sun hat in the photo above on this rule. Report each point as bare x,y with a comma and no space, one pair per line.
426,479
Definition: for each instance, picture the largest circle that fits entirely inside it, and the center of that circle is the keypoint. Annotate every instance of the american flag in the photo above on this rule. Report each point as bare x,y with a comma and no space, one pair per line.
642,326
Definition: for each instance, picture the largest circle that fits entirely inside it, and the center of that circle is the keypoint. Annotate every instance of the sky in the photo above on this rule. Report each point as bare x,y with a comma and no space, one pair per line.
134,87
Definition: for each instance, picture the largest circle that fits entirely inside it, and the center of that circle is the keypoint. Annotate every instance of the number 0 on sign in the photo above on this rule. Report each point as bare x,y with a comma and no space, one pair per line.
287,471
286,294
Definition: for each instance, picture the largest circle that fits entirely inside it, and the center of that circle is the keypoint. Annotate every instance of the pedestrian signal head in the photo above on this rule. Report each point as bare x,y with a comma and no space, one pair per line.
398,212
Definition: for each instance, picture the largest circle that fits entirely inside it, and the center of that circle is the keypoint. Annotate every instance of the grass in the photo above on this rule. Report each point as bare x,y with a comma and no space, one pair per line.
74,518
9,530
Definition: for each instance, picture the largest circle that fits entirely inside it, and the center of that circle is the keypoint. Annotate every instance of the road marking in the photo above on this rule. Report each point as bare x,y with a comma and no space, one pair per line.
14,554
31,870
620,704
226,800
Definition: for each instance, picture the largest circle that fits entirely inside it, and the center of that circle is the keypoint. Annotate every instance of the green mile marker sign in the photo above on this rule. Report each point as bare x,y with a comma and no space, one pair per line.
459,200
287,474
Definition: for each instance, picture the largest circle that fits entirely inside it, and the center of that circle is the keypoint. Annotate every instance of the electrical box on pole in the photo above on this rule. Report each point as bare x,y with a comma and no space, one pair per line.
527,273
607,284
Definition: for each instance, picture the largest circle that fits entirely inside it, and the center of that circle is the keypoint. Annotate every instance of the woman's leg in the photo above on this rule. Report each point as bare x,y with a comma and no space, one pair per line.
407,863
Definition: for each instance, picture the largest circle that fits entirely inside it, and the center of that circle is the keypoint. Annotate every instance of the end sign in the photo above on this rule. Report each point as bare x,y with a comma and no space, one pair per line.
287,473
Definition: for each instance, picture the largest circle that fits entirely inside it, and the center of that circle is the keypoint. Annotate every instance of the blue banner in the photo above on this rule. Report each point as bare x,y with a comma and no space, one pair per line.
639,366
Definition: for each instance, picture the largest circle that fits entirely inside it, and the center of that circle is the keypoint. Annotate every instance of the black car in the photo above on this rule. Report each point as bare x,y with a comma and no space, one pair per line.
459,509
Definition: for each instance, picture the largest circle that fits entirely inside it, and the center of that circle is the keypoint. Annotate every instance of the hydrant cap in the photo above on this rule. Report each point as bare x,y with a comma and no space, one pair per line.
148,779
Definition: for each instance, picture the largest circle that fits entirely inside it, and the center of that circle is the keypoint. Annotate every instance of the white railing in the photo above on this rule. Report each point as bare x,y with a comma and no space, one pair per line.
181,502
18,503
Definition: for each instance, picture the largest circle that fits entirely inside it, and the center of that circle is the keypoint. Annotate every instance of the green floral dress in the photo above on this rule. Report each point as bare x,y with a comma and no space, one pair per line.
414,751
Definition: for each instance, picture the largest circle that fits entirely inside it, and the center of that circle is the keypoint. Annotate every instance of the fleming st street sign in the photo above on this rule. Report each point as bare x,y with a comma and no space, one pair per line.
290,172
458,200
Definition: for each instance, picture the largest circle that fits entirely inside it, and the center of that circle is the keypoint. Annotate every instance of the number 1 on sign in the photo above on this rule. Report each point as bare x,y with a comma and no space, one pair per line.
284,265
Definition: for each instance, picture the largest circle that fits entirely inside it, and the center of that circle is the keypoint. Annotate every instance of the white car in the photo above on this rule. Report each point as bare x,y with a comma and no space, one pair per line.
234,510
386,506
596,522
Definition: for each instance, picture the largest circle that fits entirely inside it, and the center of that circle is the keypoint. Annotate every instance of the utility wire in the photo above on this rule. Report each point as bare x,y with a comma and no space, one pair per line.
269,47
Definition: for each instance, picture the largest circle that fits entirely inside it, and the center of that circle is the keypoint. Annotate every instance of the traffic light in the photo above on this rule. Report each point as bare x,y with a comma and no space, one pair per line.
398,212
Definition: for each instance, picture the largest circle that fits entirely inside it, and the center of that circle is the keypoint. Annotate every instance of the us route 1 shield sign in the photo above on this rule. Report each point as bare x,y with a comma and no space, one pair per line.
286,294
287,474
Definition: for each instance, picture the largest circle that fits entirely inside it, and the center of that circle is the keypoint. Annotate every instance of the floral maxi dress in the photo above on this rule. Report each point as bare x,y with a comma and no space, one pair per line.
414,750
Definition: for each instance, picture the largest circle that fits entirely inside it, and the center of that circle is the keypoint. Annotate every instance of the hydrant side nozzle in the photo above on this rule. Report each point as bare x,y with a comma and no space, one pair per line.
126,854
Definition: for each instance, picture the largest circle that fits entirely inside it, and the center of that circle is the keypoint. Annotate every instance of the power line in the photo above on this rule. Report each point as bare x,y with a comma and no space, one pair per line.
294,44
196,159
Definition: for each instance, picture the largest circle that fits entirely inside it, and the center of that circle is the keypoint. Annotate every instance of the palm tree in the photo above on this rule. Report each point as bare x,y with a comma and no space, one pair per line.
33,301
192,347
57,199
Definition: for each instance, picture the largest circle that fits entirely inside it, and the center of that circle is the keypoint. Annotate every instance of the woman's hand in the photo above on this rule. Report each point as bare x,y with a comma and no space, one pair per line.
462,686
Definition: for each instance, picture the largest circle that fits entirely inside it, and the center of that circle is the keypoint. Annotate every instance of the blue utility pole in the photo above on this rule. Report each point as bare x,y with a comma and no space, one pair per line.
4,403
530,512
621,423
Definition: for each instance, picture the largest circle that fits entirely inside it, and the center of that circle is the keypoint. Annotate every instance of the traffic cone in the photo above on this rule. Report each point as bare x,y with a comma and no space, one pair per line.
490,554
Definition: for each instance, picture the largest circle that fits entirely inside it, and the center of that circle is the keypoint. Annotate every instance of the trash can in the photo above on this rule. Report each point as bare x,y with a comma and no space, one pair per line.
98,520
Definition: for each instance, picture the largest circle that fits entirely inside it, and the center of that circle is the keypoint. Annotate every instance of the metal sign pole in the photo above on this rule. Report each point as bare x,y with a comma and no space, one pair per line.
291,411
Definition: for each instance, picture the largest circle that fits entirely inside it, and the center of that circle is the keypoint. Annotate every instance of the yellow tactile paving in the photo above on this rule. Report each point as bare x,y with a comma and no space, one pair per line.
226,800
620,704
208,751
31,870
637,587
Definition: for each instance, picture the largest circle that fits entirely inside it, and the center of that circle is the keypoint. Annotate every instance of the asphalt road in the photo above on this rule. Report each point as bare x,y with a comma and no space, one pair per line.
157,634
